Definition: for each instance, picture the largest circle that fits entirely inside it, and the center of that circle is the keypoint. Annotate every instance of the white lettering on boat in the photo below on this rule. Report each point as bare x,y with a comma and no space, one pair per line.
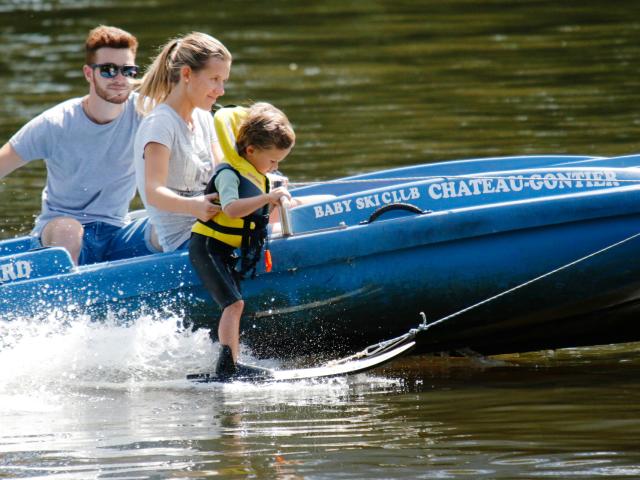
14,271
517,183
375,200
467,187
332,208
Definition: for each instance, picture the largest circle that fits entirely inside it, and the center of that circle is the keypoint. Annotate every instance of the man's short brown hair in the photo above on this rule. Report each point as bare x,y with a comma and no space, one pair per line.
110,37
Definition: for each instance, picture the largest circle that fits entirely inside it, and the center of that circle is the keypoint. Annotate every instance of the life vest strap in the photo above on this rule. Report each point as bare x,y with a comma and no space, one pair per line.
225,229
252,242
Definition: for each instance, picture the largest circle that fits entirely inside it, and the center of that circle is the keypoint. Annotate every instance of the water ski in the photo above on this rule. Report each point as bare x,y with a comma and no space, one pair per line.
347,366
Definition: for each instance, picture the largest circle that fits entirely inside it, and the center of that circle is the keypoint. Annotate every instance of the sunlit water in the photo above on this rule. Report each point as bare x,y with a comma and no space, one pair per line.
80,399
368,85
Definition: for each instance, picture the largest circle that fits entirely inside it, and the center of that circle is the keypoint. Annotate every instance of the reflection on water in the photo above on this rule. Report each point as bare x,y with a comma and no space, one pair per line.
368,85
84,399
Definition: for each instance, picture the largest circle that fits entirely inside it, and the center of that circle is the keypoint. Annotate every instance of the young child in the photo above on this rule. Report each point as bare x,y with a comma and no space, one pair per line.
253,141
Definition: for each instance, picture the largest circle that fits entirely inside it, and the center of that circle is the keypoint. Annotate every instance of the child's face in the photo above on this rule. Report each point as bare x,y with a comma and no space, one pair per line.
266,160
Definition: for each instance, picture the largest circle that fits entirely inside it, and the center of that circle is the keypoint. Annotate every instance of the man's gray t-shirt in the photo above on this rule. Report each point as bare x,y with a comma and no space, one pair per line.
90,172
191,165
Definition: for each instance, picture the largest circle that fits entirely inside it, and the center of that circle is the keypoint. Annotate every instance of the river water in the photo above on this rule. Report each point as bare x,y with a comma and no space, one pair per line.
368,85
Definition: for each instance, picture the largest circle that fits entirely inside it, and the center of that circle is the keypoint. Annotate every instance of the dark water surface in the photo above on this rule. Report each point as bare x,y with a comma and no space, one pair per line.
368,85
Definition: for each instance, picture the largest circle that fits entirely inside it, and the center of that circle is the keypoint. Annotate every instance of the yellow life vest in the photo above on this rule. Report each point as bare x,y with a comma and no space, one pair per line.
227,123
249,232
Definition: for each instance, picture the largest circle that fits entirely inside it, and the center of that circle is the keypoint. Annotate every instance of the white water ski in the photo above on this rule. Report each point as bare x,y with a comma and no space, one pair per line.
329,369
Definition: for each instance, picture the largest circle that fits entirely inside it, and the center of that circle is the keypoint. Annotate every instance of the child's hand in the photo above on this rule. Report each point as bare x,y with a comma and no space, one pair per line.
203,207
276,194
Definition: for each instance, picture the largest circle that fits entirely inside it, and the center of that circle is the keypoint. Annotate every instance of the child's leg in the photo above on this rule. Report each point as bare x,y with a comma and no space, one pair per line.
216,274
229,327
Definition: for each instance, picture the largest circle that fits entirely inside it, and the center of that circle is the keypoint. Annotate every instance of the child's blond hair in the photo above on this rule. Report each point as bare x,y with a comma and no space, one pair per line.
265,127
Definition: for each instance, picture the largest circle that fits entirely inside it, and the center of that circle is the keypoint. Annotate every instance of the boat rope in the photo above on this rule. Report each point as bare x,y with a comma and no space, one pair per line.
540,178
386,345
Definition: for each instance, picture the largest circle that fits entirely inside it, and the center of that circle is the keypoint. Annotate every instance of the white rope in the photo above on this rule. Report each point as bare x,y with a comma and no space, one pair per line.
383,346
425,326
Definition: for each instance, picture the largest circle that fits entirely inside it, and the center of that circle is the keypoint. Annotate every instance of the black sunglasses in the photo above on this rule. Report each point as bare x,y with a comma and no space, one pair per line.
110,70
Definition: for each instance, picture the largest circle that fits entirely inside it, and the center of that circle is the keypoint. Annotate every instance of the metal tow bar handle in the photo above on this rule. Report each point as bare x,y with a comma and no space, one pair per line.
285,217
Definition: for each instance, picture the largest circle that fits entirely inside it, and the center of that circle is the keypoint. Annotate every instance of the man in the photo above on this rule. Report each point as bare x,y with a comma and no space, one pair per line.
87,144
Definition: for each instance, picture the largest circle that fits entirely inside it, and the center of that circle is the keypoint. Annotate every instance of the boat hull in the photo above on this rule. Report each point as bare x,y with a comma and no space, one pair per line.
511,270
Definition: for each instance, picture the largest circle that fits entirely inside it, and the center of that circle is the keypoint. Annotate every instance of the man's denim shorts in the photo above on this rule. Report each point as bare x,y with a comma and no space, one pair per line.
103,242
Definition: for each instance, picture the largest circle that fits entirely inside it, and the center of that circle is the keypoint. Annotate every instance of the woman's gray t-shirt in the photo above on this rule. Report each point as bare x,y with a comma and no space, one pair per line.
191,164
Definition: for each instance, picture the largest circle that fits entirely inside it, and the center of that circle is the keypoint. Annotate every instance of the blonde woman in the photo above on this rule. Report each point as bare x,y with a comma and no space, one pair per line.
175,143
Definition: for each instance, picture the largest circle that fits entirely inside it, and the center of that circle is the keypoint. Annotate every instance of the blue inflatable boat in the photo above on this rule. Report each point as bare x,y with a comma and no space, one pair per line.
516,254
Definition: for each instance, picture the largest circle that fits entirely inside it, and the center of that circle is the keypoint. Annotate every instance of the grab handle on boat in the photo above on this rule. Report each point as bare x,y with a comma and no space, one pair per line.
394,206
285,217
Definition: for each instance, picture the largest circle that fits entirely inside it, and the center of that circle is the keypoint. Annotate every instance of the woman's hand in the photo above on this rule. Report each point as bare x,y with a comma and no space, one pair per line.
203,208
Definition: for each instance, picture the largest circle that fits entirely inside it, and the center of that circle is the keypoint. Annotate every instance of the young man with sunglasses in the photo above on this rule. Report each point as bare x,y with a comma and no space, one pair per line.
87,145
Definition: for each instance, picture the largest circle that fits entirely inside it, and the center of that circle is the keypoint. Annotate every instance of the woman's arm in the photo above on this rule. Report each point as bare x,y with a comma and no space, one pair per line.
156,170
217,153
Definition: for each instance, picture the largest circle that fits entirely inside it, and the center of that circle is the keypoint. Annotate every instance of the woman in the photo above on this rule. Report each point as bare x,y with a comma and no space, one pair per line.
175,143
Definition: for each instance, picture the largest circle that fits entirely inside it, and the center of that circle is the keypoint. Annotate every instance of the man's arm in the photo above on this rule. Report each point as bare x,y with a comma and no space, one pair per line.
9,160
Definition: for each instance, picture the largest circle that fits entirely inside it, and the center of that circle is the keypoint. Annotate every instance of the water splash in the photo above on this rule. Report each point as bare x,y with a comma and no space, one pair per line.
56,350
154,351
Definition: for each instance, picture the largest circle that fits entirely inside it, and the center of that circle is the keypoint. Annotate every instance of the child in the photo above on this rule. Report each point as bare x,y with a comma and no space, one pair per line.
264,138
